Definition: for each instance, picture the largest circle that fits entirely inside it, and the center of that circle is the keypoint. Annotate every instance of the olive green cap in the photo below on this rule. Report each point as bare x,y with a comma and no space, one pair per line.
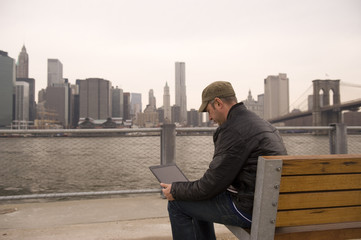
218,89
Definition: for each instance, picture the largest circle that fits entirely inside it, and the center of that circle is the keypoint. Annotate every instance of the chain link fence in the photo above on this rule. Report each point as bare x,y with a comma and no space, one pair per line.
62,162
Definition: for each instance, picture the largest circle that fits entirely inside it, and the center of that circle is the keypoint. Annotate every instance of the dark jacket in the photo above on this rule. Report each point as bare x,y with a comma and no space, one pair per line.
238,144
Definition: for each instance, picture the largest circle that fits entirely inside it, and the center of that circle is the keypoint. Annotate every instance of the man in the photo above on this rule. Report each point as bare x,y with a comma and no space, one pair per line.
225,192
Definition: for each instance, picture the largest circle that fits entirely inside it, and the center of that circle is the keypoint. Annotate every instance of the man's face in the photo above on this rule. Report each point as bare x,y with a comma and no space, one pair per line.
215,113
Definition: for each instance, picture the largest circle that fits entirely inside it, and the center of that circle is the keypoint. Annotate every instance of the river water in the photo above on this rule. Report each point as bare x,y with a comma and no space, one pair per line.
81,164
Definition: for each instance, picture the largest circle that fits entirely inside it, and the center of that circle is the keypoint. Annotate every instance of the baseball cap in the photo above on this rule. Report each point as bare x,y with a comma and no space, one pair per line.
218,89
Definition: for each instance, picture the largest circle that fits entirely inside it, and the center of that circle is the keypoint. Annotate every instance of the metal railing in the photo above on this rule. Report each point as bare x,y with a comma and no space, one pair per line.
96,162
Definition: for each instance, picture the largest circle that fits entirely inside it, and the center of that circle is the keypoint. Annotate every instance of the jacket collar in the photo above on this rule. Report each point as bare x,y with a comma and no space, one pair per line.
235,108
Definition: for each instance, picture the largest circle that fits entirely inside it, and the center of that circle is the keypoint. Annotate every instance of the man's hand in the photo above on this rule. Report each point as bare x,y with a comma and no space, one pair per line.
166,191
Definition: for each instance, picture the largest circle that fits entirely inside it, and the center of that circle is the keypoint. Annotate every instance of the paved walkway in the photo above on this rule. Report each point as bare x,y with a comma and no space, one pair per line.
134,217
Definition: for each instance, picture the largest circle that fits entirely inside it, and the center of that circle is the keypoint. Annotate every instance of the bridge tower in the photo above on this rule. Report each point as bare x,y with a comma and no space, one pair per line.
324,118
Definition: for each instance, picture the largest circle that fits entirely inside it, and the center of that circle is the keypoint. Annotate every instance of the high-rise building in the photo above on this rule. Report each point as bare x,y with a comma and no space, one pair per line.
194,118
7,88
276,96
22,66
253,105
152,100
95,100
126,106
55,72
22,102
57,102
175,109
180,91
135,104
117,102
166,104
32,104
74,105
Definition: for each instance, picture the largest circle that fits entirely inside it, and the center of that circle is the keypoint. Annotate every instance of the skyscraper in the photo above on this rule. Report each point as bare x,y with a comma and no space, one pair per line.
22,101
55,72
166,103
135,104
276,96
152,100
126,106
253,105
117,102
95,100
32,104
180,91
22,66
57,101
7,85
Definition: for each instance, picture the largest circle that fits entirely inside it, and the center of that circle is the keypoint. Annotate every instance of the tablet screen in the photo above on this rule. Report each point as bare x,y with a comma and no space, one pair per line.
168,173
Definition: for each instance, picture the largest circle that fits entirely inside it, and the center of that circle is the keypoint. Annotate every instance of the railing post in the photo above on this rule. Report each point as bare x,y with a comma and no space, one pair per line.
338,138
167,144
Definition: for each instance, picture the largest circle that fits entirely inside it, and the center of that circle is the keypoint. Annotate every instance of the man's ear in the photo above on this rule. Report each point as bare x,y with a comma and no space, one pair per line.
218,102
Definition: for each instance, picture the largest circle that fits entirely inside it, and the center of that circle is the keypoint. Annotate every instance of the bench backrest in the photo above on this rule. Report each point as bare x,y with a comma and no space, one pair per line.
306,190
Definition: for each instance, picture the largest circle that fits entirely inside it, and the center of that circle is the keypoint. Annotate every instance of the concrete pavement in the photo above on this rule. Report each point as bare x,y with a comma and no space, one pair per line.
133,217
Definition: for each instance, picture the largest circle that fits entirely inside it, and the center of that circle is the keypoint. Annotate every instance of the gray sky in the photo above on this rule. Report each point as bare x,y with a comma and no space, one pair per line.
135,43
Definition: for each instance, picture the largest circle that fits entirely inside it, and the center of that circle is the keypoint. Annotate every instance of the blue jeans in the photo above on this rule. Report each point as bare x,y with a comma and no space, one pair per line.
194,219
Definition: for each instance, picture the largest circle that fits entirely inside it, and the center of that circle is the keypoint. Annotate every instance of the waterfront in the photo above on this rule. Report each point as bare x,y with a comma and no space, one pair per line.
60,165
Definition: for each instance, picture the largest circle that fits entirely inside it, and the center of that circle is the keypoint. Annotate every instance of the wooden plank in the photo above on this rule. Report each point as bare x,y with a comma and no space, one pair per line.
327,156
318,227
319,199
334,234
319,164
320,183
318,216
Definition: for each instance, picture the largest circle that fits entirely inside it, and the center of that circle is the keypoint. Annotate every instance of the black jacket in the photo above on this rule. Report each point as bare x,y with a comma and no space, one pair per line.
238,144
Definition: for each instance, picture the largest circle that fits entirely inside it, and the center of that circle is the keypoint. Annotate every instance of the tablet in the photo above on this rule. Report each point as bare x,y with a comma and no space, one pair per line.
168,173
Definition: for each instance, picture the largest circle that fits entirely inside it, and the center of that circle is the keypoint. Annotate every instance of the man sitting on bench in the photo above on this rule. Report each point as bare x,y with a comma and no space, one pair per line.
225,192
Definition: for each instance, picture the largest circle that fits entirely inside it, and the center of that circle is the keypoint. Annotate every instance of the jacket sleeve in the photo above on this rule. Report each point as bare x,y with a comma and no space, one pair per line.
230,155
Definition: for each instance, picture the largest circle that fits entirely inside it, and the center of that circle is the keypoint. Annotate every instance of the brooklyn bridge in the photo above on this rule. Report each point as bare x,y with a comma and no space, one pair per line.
325,107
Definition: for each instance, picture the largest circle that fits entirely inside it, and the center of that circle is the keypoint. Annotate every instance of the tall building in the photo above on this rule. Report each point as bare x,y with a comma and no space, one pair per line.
95,100
166,103
135,104
57,102
194,118
32,104
276,96
7,88
253,105
150,117
22,66
175,111
126,106
22,102
180,91
152,100
117,102
74,105
55,72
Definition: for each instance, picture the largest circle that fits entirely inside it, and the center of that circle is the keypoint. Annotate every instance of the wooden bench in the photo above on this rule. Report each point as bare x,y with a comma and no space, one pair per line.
306,197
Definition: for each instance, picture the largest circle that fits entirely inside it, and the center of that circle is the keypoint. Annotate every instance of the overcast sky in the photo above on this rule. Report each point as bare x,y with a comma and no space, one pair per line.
135,43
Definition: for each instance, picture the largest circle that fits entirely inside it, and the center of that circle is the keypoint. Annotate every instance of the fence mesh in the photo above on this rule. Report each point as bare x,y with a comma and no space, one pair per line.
36,165
49,165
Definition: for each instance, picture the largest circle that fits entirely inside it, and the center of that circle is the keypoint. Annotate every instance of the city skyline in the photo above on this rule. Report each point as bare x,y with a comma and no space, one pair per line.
135,44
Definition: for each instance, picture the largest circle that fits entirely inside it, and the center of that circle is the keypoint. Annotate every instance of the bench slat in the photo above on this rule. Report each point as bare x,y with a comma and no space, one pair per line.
319,199
320,183
318,216
319,164
334,234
